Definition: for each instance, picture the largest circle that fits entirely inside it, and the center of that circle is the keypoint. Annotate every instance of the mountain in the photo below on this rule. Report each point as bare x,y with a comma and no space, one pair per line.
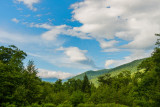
93,75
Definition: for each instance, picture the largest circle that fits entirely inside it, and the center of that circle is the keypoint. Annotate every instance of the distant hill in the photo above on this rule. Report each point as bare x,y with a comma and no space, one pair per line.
93,75
132,66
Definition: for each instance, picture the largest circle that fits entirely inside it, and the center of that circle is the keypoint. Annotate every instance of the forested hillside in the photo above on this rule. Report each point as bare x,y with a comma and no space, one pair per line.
93,75
132,67
21,87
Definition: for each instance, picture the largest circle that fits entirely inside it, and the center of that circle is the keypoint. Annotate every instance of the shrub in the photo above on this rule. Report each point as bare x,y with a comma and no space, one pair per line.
86,105
49,105
65,105
35,105
110,105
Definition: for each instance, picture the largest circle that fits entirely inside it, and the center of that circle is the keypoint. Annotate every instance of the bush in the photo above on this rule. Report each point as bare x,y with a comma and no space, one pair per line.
35,105
49,105
11,105
86,105
65,105
8,105
111,105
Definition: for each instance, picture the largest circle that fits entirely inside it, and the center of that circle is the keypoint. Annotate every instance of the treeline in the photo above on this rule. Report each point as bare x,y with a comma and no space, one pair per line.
20,86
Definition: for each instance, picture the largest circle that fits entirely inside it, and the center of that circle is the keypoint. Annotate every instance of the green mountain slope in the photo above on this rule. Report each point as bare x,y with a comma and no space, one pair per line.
93,75
132,66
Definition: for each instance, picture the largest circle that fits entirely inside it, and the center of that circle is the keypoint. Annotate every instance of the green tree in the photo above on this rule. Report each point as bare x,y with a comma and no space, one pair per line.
105,79
58,86
77,98
86,86
11,68
148,89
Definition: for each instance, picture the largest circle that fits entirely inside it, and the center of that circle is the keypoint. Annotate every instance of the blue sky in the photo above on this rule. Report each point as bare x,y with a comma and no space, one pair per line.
68,37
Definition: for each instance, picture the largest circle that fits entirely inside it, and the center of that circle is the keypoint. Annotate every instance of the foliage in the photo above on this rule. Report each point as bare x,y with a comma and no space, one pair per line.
65,105
49,105
86,105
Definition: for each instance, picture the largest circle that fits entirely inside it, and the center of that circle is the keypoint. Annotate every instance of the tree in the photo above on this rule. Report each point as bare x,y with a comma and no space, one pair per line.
148,89
86,86
158,41
77,98
105,79
11,67
17,85
58,86
31,67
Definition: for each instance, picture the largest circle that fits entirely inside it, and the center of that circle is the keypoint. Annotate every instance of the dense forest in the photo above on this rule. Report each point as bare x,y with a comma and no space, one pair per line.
21,87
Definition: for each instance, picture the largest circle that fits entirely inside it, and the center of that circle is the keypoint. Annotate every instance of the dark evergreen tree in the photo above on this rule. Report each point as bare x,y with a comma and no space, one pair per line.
86,86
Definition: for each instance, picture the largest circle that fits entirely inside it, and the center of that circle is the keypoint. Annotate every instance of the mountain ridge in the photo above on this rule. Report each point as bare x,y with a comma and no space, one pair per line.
92,75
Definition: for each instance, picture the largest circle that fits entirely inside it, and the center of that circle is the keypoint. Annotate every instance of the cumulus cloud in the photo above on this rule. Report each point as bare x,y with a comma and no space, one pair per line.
53,74
134,21
67,57
97,19
71,57
110,19
29,3
109,22
75,55
15,20
107,44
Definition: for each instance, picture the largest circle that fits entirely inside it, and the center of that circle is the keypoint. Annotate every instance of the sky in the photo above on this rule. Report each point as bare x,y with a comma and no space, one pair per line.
68,37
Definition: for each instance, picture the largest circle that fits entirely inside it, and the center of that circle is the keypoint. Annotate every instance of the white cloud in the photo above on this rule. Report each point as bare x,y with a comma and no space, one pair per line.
44,25
15,20
53,74
54,31
75,56
21,39
12,37
112,50
136,54
64,58
99,21
74,53
107,44
29,3
134,21
109,19
71,57
108,63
